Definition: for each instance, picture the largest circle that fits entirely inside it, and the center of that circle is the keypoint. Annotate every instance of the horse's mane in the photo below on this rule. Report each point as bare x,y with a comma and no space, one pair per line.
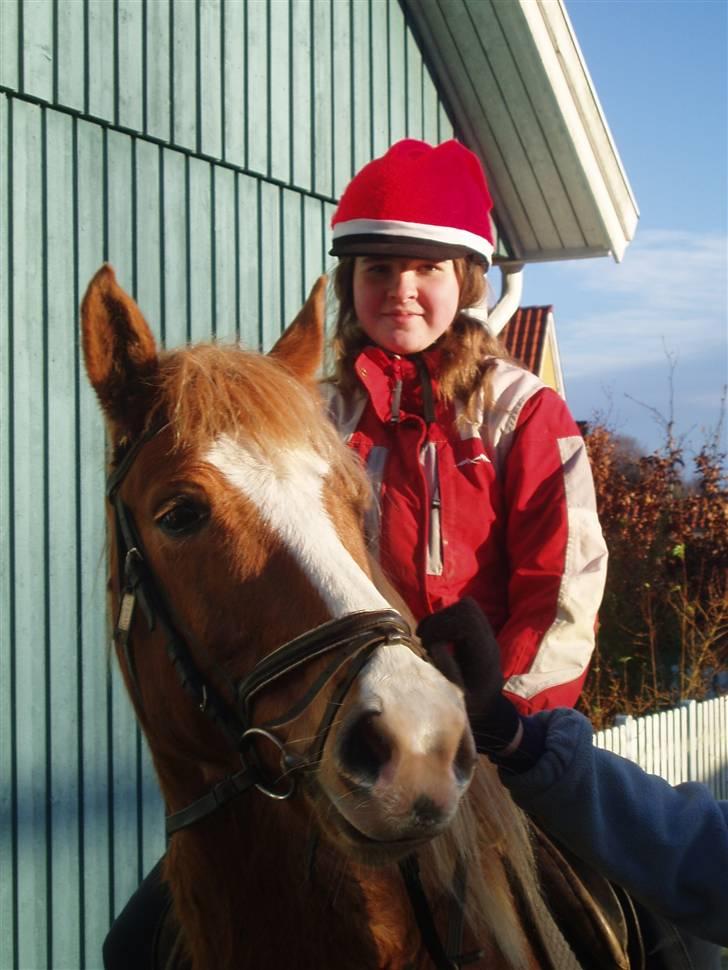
209,390
491,835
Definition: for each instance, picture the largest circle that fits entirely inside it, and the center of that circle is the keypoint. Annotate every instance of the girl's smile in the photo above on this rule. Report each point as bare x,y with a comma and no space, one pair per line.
404,305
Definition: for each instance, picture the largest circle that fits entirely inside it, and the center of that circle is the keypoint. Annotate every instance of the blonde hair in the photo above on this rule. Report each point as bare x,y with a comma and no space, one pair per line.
469,351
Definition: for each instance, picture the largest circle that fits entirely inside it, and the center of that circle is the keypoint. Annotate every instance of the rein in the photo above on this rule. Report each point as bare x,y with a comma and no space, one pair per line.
351,640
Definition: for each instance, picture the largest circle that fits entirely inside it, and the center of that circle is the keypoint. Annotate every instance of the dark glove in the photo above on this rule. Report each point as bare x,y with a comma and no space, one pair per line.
475,666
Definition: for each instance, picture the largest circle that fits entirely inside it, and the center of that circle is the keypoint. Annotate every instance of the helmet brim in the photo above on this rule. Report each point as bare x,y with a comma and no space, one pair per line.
371,244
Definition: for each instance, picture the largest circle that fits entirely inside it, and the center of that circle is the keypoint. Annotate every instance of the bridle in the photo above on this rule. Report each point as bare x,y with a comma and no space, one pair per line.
350,640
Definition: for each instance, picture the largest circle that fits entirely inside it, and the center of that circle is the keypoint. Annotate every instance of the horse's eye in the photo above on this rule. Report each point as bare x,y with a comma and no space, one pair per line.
184,517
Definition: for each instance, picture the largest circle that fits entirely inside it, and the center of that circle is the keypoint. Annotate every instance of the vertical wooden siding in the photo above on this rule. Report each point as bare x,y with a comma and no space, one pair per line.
199,147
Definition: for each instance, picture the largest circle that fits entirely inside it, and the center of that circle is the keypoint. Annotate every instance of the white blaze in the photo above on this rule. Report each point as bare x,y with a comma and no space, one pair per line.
289,499
413,692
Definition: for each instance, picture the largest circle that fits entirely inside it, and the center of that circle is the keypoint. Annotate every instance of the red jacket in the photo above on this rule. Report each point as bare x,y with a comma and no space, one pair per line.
503,511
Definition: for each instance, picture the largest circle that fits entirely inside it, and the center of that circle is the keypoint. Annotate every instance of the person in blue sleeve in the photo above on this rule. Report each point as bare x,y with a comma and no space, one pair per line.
667,846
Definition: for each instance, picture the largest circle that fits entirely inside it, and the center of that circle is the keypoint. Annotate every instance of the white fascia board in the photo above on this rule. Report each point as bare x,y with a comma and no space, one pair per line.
567,73
552,342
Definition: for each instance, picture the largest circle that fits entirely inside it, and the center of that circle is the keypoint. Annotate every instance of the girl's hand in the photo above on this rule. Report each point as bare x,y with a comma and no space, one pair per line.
462,646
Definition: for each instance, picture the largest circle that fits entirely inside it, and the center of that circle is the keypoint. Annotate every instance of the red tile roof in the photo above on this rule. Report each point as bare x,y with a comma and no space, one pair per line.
525,335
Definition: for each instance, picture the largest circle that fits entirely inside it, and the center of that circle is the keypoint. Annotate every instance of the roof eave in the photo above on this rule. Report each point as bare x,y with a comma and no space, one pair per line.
558,183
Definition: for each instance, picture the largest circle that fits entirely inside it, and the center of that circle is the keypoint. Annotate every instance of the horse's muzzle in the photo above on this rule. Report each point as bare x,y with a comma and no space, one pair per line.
402,754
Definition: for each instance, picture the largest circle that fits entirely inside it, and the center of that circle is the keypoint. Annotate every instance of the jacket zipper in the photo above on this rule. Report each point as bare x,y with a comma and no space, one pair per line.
434,533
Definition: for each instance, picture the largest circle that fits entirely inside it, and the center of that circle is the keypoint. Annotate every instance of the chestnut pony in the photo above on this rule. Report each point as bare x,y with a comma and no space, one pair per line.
303,744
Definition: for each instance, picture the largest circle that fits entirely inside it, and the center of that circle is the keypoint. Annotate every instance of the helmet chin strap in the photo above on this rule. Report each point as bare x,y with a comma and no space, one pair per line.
428,397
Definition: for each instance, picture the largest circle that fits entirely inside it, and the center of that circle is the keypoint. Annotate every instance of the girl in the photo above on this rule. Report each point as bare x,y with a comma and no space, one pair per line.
481,479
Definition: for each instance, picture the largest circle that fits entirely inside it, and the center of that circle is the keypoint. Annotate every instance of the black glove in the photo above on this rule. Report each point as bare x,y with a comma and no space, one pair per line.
475,666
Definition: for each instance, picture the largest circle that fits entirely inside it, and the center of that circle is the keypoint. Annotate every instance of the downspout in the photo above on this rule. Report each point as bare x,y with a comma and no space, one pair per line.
510,297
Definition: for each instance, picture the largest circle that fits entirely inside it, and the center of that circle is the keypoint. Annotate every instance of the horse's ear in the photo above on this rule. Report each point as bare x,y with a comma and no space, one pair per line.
301,347
119,352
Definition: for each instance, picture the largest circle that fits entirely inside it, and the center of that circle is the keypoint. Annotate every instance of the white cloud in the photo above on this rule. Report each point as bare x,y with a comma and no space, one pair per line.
670,294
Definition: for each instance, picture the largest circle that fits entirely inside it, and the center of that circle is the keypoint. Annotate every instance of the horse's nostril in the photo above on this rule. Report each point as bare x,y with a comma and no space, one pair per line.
465,756
426,812
364,750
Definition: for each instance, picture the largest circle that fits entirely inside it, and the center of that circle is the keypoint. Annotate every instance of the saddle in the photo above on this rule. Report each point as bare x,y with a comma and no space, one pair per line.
603,926
597,920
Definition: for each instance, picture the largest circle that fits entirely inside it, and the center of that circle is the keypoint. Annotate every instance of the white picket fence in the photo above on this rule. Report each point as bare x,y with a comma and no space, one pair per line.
687,743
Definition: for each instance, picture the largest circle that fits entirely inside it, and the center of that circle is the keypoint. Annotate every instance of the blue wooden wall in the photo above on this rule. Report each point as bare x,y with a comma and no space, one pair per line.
198,145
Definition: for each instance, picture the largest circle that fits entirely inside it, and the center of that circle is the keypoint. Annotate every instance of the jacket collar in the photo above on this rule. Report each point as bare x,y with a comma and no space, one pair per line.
379,373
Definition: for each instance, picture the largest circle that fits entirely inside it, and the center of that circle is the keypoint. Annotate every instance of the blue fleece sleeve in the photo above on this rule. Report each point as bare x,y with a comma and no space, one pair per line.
666,845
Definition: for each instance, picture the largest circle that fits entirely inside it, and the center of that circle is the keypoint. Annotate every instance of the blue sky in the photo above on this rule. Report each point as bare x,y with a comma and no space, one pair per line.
661,73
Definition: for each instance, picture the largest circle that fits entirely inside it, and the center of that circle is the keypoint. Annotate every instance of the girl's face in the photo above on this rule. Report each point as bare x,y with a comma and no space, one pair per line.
404,305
